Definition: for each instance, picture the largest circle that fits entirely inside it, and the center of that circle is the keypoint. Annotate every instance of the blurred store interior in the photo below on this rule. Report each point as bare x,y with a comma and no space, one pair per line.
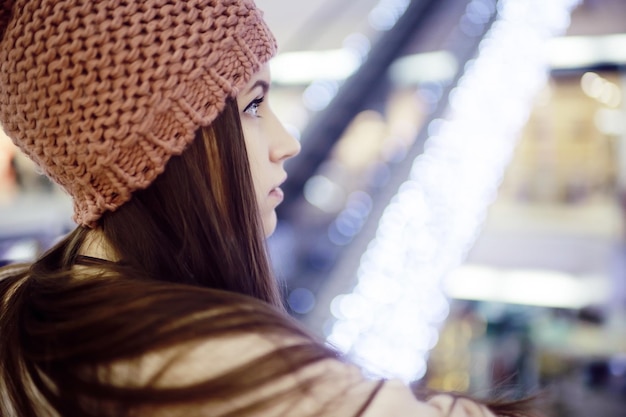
456,215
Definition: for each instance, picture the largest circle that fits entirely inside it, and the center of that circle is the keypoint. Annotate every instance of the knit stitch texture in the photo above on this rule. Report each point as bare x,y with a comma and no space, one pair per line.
100,94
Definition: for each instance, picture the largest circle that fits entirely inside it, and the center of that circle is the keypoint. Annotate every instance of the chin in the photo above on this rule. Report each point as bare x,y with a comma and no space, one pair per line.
269,224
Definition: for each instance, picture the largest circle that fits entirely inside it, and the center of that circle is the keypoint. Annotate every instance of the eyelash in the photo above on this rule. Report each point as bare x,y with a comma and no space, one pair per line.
254,106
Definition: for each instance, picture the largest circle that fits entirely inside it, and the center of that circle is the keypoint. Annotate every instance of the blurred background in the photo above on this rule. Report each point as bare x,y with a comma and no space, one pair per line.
456,216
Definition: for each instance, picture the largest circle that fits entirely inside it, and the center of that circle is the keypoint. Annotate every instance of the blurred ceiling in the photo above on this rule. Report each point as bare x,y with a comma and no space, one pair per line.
324,24
316,24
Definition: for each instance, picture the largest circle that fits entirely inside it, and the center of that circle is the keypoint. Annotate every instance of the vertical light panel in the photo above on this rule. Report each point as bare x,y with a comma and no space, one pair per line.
390,320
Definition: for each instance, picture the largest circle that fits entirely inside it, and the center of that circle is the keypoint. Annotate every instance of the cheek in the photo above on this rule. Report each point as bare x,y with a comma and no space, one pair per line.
257,166
258,158
256,170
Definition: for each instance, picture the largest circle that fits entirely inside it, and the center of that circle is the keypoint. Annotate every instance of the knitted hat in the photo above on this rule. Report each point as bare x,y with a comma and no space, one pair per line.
100,94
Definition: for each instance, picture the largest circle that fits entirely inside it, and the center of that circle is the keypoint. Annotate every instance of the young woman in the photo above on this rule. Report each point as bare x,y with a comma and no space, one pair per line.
153,116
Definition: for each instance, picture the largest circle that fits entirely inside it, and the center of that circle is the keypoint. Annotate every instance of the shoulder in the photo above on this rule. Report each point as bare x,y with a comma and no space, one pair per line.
248,356
273,374
284,373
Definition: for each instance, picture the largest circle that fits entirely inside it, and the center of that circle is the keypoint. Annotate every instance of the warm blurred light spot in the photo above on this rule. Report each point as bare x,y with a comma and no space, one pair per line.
601,89
361,143
455,381
591,84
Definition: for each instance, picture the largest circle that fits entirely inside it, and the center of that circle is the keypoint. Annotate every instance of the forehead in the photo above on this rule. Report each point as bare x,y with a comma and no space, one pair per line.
260,79
263,74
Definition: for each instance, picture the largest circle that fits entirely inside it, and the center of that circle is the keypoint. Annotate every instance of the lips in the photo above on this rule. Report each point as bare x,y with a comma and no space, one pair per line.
277,192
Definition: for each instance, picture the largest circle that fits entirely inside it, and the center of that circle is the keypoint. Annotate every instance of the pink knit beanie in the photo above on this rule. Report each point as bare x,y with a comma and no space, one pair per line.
100,94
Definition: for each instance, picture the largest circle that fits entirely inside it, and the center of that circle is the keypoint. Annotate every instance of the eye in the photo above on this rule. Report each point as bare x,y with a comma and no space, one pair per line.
253,108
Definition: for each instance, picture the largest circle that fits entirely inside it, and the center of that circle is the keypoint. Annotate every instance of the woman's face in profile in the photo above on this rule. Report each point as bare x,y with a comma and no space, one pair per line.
268,145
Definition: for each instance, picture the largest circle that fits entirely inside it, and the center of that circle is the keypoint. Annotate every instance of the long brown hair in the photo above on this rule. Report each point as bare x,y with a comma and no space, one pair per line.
190,266
189,243
198,223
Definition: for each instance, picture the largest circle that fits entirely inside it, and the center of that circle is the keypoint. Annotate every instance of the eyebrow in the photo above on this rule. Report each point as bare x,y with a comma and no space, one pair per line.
260,83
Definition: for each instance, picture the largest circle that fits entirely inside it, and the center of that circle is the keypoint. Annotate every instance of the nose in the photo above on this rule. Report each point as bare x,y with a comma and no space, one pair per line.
285,146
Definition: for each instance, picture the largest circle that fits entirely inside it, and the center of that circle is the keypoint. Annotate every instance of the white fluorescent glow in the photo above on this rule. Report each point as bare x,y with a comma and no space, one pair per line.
23,251
528,287
304,67
421,68
586,51
390,320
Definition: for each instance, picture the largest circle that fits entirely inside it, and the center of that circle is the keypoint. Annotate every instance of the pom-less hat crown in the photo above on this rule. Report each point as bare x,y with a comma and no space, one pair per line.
100,94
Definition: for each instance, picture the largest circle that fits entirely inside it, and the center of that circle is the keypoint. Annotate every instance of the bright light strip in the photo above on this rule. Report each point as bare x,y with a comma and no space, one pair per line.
426,67
301,68
390,320
528,287
573,52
